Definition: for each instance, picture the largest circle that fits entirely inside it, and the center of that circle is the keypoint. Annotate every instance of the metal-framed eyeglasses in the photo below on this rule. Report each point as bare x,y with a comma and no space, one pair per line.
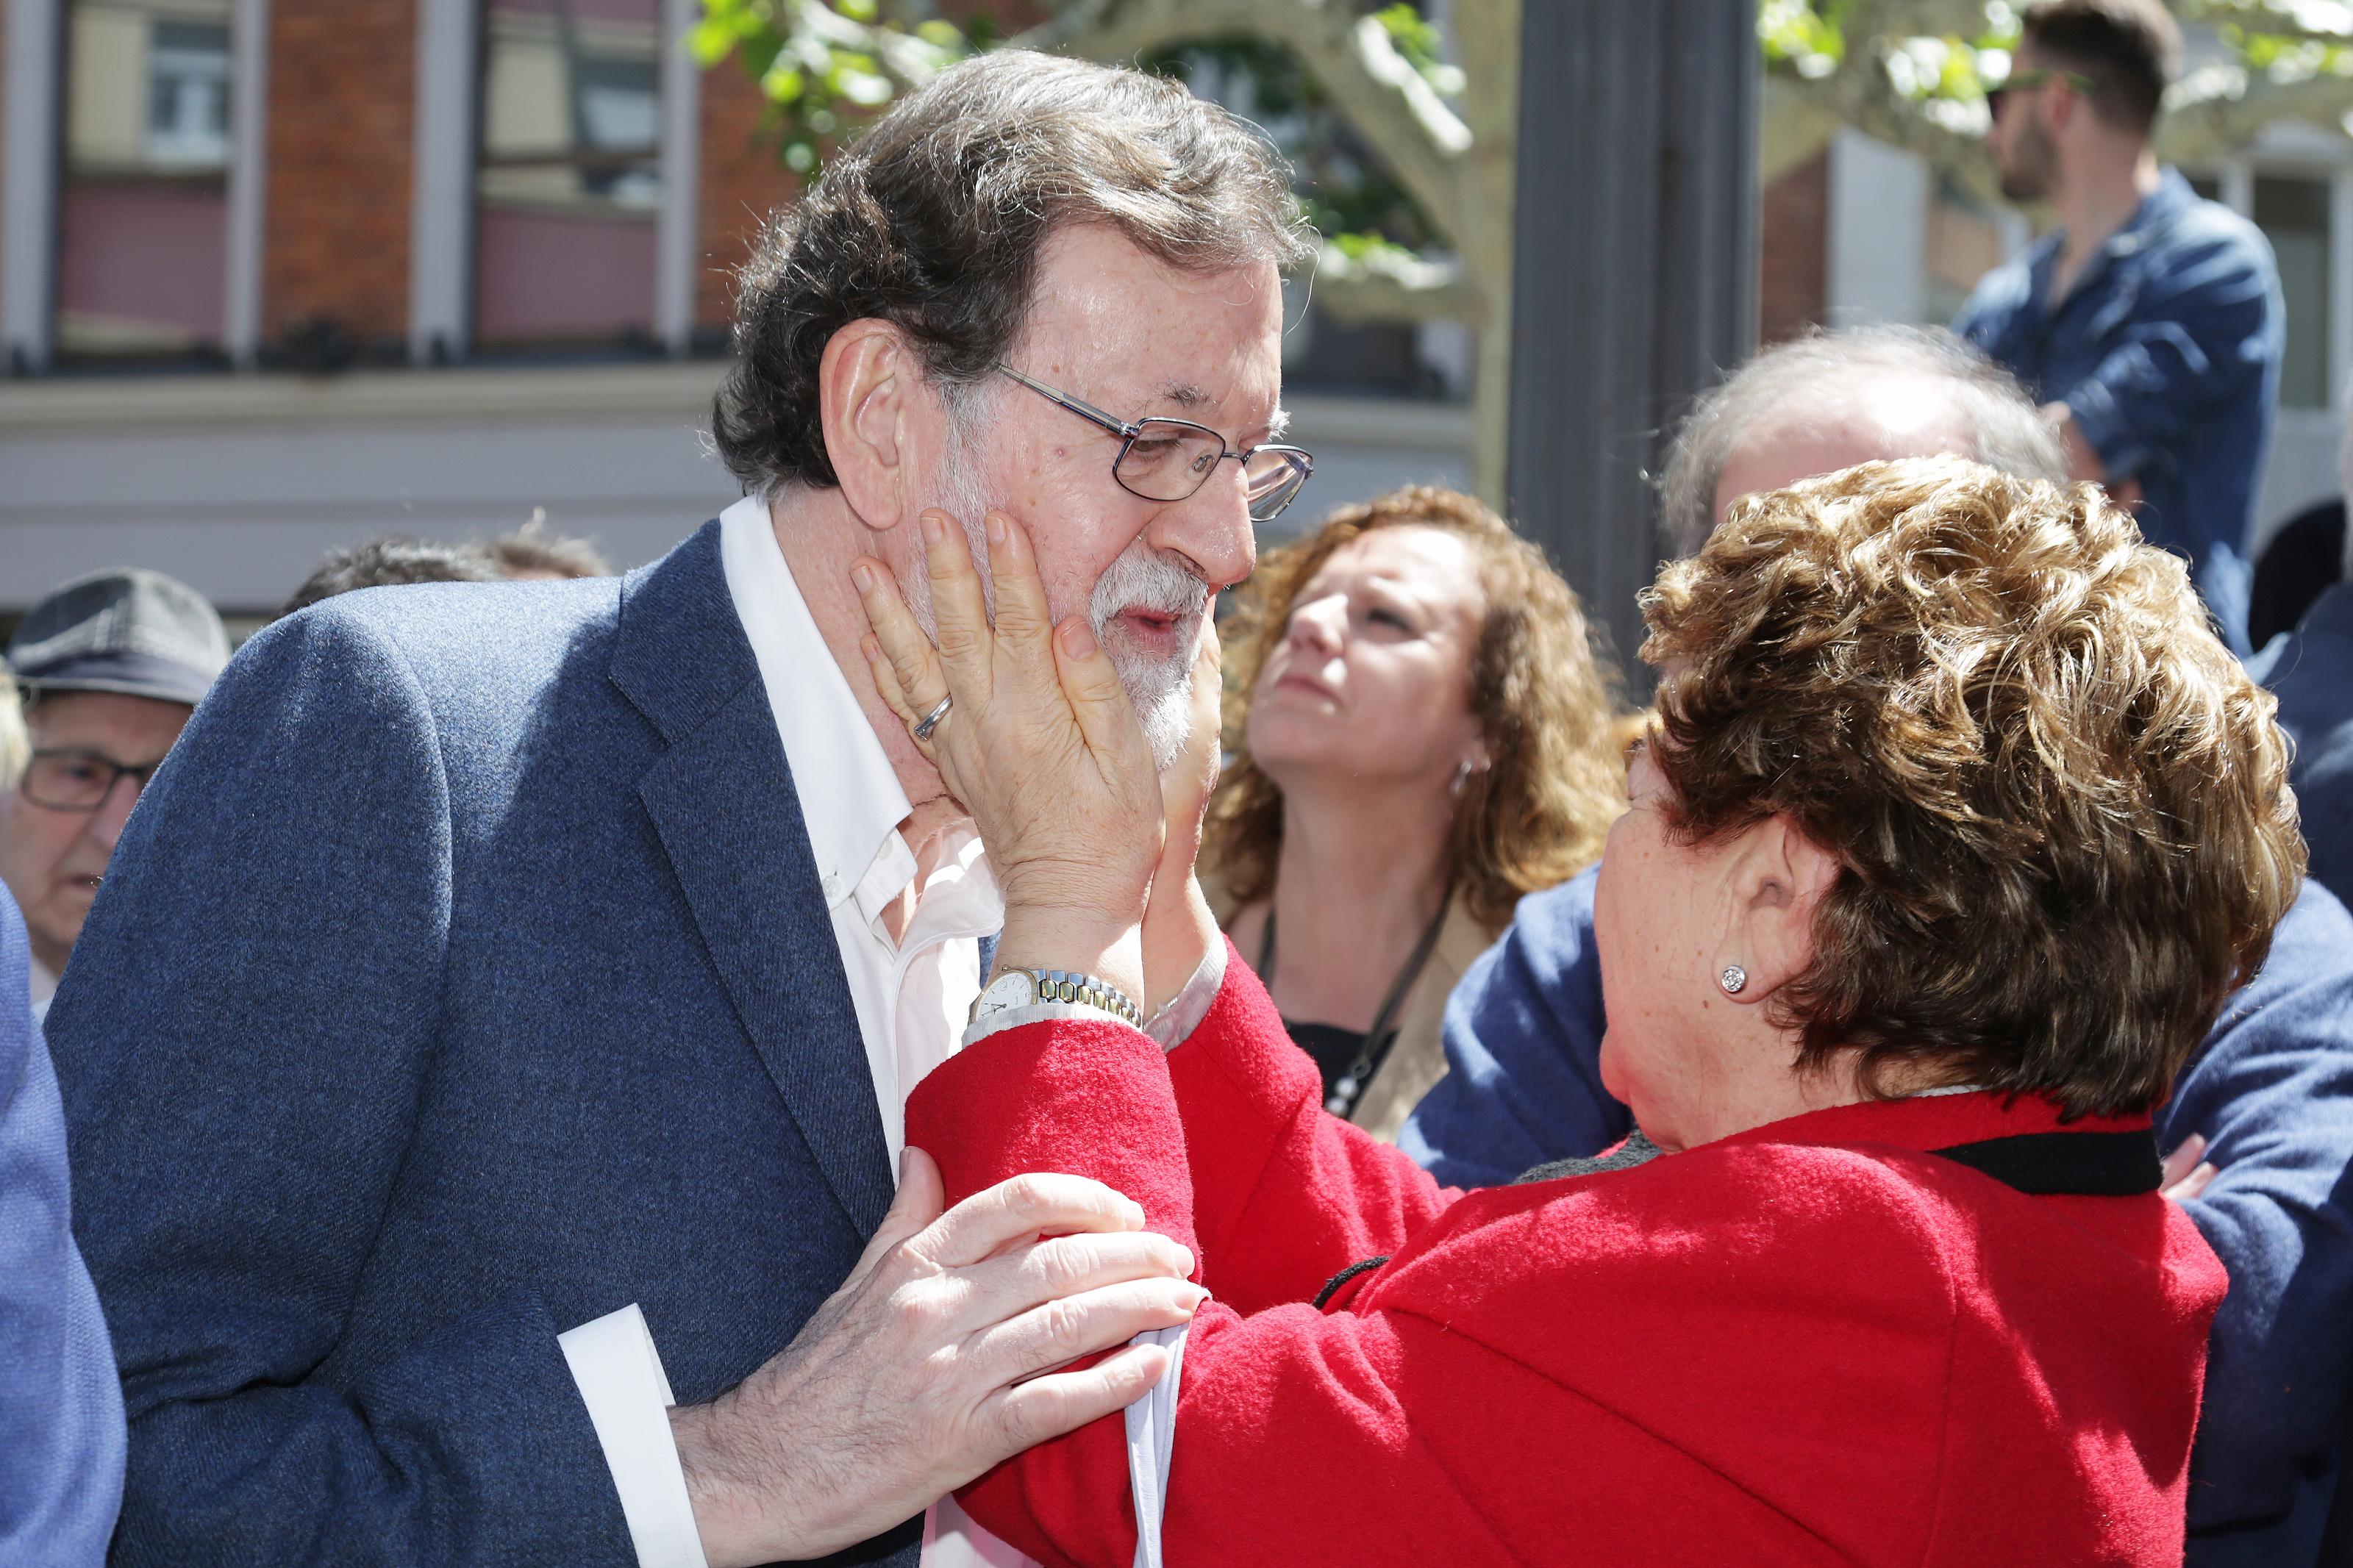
1169,459
70,779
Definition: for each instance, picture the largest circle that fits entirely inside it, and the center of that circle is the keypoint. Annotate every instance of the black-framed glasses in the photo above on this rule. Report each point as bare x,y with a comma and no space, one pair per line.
2018,82
1169,459
70,779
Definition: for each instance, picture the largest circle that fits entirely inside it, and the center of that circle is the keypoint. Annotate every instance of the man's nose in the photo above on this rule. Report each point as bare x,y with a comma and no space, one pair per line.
106,822
1212,529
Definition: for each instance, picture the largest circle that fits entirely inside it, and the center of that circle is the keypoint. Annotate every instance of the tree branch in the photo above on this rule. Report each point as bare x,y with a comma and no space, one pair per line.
1372,88
1390,286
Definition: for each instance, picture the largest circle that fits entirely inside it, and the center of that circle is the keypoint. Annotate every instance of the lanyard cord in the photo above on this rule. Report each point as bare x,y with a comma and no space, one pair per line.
1377,1039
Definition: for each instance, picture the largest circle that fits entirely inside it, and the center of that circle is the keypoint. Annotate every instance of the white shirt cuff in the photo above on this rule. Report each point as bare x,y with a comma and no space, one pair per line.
1151,1441
622,1382
1175,1023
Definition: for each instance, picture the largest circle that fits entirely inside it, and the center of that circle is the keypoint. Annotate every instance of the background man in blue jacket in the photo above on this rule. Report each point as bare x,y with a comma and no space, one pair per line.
2270,1093
60,1410
2310,670
2148,322
486,1061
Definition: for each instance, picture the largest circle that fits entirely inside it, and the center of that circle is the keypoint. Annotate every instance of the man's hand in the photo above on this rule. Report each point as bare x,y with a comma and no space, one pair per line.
2084,464
2186,1175
924,1370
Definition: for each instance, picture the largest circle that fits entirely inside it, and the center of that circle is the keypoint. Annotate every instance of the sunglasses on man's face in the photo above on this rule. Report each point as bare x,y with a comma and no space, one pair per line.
2026,80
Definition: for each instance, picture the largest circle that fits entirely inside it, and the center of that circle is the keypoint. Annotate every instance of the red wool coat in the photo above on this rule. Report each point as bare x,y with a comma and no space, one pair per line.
1813,1343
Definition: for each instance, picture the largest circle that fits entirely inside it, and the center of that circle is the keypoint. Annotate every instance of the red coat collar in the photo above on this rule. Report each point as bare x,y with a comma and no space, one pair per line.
1932,1121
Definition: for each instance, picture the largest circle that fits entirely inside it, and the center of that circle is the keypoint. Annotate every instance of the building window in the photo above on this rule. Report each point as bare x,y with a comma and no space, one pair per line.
143,206
568,179
2293,213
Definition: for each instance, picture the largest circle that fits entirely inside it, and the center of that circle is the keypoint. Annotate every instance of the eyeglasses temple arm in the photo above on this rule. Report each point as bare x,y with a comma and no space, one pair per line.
1078,406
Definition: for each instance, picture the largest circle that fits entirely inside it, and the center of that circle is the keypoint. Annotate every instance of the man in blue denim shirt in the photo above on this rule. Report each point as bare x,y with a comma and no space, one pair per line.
2148,321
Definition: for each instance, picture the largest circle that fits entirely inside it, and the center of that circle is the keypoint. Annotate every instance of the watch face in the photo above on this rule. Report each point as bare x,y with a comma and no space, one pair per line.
1014,988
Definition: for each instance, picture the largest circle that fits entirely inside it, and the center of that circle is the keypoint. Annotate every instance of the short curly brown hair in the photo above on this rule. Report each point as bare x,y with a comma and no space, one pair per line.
1545,704
2060,806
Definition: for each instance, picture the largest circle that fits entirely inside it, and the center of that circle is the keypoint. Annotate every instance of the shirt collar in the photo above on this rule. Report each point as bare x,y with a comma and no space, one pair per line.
849,794
2172,197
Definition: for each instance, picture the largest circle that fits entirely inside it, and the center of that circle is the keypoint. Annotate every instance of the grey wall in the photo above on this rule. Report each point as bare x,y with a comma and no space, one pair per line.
240,484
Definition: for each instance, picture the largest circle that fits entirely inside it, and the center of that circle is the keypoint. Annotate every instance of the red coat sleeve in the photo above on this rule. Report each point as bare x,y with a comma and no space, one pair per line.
1225,1140
1285,1195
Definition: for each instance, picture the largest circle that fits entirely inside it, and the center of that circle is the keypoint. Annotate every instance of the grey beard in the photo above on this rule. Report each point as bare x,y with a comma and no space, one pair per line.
1161,689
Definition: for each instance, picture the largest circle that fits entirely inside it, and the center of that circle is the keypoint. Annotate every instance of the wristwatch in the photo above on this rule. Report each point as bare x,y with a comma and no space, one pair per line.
1027,987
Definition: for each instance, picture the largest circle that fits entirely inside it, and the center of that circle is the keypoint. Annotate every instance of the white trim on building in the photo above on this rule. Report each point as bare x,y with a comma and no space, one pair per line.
249,178
28,179
677,249
441,194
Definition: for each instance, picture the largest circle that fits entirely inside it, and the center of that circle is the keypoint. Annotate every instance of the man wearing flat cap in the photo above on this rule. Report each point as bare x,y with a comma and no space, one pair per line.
112,665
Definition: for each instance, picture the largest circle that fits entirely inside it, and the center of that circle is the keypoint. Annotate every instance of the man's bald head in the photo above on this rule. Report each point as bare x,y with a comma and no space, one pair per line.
1831,400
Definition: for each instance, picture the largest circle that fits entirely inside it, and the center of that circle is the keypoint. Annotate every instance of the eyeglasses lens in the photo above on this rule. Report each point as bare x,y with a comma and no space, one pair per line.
68,781
1169,459
1273,477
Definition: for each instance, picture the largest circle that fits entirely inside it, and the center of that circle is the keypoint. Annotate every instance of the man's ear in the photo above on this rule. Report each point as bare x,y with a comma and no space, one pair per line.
2059,108
1779,877
866,380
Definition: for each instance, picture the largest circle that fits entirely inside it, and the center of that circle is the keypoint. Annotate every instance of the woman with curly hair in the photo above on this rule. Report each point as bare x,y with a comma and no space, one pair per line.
1425,735
1956,824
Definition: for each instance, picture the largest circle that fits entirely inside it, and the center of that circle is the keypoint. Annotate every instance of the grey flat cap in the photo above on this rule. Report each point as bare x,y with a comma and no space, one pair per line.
128,630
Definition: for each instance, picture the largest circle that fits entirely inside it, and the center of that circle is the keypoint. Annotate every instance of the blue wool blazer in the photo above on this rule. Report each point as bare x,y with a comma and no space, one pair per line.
463,976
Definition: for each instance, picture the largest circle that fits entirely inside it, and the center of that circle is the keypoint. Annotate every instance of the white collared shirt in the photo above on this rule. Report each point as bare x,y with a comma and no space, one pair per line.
911,997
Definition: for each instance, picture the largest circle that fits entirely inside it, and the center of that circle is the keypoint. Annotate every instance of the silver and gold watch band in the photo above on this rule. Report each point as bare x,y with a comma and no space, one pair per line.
1064,986
1016,988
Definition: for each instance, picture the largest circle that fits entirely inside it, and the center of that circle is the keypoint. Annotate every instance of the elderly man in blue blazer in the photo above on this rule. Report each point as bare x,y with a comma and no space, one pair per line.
486,1063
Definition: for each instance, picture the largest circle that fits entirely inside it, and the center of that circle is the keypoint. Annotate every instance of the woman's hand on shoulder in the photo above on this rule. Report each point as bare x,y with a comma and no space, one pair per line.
1040,744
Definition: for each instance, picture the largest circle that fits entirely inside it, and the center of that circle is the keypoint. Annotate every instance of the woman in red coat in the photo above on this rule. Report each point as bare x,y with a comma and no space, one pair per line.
1956,825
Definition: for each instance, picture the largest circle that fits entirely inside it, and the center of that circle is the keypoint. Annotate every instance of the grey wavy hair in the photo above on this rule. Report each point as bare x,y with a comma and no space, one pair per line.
934,221
15,743
1824,375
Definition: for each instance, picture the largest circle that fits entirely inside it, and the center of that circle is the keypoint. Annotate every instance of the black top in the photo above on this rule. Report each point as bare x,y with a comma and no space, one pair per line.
1334,1049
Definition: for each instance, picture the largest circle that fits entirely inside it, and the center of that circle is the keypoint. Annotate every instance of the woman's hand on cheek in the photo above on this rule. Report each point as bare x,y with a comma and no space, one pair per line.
1041,743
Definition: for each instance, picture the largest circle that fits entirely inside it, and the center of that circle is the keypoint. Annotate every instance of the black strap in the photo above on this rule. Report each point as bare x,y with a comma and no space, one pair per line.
2082,1165
1374,1046
1332,1285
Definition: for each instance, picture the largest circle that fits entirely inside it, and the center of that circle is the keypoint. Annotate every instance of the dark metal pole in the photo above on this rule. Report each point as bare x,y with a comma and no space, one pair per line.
1634,270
